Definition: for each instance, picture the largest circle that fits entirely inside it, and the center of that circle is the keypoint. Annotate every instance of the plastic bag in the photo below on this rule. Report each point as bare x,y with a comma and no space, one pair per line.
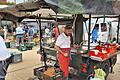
99,74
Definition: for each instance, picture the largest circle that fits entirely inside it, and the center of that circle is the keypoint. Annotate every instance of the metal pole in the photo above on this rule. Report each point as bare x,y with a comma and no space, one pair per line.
40,33
118,27
104,19
109,34
89,30
56,17
41,49
90,69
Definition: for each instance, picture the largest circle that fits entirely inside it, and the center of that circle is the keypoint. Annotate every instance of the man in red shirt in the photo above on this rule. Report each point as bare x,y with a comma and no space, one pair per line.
63,46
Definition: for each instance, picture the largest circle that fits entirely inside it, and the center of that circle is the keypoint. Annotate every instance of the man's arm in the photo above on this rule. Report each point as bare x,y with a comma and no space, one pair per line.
59,50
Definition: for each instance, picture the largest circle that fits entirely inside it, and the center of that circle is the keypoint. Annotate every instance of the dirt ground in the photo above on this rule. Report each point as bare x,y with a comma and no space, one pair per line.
31,60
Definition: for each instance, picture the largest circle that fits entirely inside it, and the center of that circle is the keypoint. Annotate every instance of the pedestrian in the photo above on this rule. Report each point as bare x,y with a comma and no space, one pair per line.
1,32
19,34
5,32
63,46
95,34
30,33
5,59
26,28
47,32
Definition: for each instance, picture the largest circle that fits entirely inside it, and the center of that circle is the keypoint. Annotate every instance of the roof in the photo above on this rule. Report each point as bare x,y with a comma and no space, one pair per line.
99,7
22,10
18,10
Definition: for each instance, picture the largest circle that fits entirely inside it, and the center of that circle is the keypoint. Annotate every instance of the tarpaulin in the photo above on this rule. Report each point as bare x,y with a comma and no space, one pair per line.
109,7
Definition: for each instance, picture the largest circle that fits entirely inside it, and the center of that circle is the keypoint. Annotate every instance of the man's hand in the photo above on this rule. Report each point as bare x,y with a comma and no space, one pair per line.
65,54
75,46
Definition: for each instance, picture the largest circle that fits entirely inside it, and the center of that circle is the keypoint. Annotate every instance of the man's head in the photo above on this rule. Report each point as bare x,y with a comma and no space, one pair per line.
20,25
68,30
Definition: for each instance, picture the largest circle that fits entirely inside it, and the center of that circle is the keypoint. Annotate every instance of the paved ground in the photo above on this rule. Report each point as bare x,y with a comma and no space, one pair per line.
24,69
31,60
116,74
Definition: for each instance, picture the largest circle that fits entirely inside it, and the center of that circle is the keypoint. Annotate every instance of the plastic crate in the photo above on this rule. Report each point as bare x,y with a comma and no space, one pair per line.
22,47
16,57
57,76
7,44
12,45
39,72
29,46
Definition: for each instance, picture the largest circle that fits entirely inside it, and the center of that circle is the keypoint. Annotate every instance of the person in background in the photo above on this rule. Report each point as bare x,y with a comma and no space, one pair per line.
47,32
5,59
56,33
63,46
9,29
5,32
13,31
2,32
19,34
30,33
95,34
36,39
26,28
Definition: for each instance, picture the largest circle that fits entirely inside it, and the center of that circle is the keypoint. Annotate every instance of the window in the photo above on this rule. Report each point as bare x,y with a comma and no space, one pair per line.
103,27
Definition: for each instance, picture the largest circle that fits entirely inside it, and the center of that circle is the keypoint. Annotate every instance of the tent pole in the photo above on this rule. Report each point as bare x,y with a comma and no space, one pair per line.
89,33
118,27
56,17
40,33
90,69
41,49
104,19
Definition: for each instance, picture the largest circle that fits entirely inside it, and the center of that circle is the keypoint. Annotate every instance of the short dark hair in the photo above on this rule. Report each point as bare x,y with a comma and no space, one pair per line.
68,26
